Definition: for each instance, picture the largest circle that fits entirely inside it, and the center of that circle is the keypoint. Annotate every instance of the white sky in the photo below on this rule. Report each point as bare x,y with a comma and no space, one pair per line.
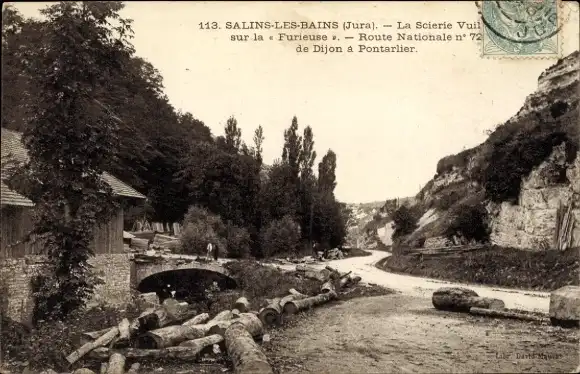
389,117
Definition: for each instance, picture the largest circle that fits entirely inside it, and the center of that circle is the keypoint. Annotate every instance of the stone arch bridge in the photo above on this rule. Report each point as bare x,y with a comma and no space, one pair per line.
148,273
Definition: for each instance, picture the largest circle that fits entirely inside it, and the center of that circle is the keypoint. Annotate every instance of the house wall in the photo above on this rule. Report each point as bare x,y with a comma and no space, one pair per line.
21,262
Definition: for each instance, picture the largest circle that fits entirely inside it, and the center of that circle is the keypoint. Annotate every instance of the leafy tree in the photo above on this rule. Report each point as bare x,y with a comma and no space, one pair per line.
404,221
200,228
292,152
83,52
258,144
281,236
326,172
233,138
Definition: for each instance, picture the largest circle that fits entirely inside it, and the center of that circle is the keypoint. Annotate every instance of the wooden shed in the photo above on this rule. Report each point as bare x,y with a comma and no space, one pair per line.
16,210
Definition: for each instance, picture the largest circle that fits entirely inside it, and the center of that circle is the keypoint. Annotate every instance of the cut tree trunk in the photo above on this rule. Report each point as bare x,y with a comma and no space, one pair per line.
302,267
125,332
246,355
83,371
86,348
157,318
455,299
292,291
242,304
169,336
289,298
90,336
153,318
134,369
506,314
223,316
486,303
203,343
272,313
295,306
116,364
251,322
344,282
327,287
197,320
179,352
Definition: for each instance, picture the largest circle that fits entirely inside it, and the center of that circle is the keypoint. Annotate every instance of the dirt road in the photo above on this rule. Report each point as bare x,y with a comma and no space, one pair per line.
404,334
424,287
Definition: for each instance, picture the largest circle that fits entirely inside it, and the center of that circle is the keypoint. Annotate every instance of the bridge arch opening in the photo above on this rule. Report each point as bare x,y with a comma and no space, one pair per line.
188,285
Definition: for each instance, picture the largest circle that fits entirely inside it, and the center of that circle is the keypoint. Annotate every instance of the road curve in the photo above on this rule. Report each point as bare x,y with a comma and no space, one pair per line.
424,287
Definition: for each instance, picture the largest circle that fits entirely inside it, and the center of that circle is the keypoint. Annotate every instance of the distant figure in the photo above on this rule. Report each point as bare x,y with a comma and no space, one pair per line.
215,252
209,251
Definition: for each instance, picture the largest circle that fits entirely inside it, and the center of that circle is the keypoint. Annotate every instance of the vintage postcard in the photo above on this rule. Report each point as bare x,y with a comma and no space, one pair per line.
290,187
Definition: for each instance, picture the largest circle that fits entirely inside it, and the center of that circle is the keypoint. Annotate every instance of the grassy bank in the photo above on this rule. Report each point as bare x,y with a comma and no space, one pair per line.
504,267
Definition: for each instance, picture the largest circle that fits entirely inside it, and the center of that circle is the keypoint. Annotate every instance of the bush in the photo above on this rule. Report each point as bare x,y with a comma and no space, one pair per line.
238,242
404,221
280,236
469,222
200,228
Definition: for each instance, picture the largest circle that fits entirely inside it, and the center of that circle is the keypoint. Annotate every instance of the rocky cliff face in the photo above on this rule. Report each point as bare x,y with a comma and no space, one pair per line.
531,222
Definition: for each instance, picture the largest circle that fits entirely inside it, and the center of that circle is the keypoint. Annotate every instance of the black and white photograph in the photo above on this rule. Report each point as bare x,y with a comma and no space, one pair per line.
268,187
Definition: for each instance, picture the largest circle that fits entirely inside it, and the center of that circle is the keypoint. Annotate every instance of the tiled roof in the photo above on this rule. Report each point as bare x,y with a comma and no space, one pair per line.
9,197
12,148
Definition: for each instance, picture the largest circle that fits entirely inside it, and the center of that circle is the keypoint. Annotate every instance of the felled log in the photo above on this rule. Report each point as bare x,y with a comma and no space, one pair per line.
86,348
223,316
295,306
302,267
169,336
83,371
204,342
134,369
327,287
271,314
90,336
179,352
153,318
486,303
246,355
344,282
197,320
455,299
116,364
289,298
251,322
506,314
292,291
157,318
125,332
242,304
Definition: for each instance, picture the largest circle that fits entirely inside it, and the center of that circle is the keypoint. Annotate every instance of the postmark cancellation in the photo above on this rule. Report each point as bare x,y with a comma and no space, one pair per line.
521,29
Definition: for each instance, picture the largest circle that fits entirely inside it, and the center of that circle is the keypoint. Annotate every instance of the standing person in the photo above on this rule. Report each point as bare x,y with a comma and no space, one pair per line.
209,250
215,252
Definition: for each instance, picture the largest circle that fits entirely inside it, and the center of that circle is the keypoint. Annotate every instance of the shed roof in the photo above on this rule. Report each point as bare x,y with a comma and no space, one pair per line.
9,197
13,149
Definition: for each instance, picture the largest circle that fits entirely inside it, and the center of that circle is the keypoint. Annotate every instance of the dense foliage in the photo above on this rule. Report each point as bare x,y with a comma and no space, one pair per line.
404,222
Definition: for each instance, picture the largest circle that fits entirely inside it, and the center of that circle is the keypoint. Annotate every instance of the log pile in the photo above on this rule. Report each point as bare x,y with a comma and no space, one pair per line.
175,331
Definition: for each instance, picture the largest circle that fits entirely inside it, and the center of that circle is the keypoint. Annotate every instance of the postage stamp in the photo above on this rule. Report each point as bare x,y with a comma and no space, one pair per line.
521,29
